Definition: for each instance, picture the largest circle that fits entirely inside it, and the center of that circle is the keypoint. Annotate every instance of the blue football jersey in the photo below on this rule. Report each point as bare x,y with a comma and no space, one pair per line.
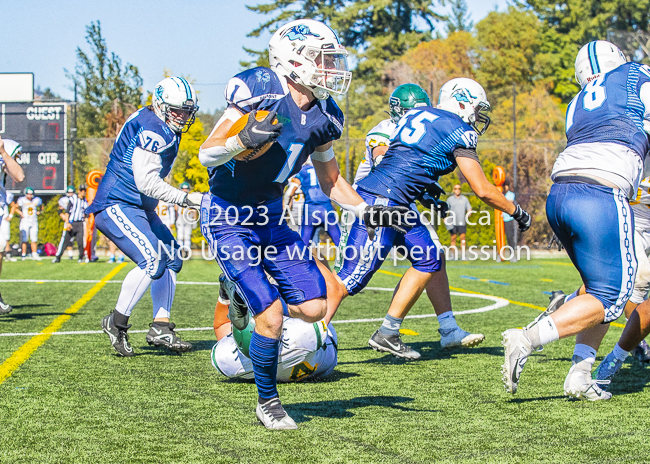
145,130
263,179
311,188
420,151
609,109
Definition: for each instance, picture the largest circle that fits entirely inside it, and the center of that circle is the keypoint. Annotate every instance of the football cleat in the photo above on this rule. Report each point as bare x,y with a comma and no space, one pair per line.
4,307
111,259
517,348
273,416
119,338
392,344
57,259
607,369
164,335
453,338
642,352
237,310
580,385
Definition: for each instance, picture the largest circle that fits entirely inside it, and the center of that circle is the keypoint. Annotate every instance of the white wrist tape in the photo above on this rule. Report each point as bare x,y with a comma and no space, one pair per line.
357,210
323,156
233,146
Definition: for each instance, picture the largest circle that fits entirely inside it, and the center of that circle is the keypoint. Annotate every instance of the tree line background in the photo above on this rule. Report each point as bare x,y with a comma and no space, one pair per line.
523,56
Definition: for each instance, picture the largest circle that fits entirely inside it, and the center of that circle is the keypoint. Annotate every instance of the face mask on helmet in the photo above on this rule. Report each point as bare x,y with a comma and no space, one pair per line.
174,101
309,53
404,98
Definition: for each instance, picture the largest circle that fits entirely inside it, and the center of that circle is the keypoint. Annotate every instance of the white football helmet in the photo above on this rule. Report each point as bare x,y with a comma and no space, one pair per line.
309,53
466,98
595,58
175,102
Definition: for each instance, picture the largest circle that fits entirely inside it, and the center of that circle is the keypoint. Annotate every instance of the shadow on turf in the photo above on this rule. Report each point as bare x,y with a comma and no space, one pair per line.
429,351
632,378
340,409
16,315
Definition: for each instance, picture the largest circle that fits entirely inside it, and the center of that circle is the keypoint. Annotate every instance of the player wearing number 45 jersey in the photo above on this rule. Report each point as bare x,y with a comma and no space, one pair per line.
125,210
427,143
242,216
588,209
387,338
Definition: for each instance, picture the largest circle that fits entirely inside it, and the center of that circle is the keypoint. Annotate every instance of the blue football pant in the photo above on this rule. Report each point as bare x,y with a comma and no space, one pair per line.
596,226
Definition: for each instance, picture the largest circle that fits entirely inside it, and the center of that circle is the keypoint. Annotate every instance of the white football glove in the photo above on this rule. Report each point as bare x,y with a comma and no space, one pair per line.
193,200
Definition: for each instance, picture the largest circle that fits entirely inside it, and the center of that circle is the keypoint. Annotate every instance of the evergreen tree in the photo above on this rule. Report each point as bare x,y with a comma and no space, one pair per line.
108,93
459,20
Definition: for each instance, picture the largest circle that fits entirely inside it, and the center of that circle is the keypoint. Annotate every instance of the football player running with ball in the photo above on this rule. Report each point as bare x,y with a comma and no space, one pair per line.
242,217
427,143
588,209
125,210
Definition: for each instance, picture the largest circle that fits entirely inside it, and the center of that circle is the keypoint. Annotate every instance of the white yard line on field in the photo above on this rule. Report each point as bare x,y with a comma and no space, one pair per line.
498,303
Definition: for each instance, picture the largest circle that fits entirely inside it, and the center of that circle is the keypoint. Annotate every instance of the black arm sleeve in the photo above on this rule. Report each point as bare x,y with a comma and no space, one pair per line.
466,153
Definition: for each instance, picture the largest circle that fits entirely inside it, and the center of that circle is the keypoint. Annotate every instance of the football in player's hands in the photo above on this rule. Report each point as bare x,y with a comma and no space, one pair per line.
193,200
523,218
394,217
256,131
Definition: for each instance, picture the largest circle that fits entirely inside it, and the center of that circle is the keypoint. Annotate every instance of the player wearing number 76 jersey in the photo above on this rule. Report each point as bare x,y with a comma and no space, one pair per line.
588,209
242,217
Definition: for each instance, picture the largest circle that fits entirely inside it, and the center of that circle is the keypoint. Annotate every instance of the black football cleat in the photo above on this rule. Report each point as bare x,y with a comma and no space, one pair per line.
118,336
162,334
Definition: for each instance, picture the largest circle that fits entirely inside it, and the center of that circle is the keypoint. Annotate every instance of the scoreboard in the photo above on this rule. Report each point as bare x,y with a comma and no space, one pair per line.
41,129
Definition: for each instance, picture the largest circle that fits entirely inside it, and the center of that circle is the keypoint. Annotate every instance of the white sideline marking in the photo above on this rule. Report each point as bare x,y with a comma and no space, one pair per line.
498,303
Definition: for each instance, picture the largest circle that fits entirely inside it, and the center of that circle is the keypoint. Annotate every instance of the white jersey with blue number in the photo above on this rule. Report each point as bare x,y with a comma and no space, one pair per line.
379,136
605,128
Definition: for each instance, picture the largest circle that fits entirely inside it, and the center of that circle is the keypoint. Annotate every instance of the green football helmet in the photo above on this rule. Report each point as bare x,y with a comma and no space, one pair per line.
404,98
243,337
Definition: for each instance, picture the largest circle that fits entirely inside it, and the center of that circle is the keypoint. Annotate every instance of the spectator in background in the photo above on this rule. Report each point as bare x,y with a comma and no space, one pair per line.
508,223
29,208
9,151
73,215
456,220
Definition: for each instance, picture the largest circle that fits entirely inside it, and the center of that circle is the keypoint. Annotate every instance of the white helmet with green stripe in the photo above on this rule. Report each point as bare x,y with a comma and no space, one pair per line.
175,102
595,58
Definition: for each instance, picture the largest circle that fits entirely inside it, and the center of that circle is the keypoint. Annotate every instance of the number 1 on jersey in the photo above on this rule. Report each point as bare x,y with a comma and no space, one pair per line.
294,153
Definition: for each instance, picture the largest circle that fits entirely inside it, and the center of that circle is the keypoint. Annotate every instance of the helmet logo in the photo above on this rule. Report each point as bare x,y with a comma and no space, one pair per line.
299,32
463,95
393,101
159,91
263,76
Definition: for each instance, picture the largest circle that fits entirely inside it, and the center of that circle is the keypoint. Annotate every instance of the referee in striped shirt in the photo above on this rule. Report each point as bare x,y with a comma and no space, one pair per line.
74,214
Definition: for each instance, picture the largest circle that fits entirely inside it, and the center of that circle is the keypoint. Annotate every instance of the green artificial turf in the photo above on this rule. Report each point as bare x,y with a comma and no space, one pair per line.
75,401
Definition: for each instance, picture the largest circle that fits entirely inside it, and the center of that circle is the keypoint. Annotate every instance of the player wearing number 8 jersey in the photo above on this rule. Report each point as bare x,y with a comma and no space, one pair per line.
242,217
588,209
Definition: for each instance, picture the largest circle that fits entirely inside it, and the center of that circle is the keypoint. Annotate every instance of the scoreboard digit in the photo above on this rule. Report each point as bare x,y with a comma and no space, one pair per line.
41,129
